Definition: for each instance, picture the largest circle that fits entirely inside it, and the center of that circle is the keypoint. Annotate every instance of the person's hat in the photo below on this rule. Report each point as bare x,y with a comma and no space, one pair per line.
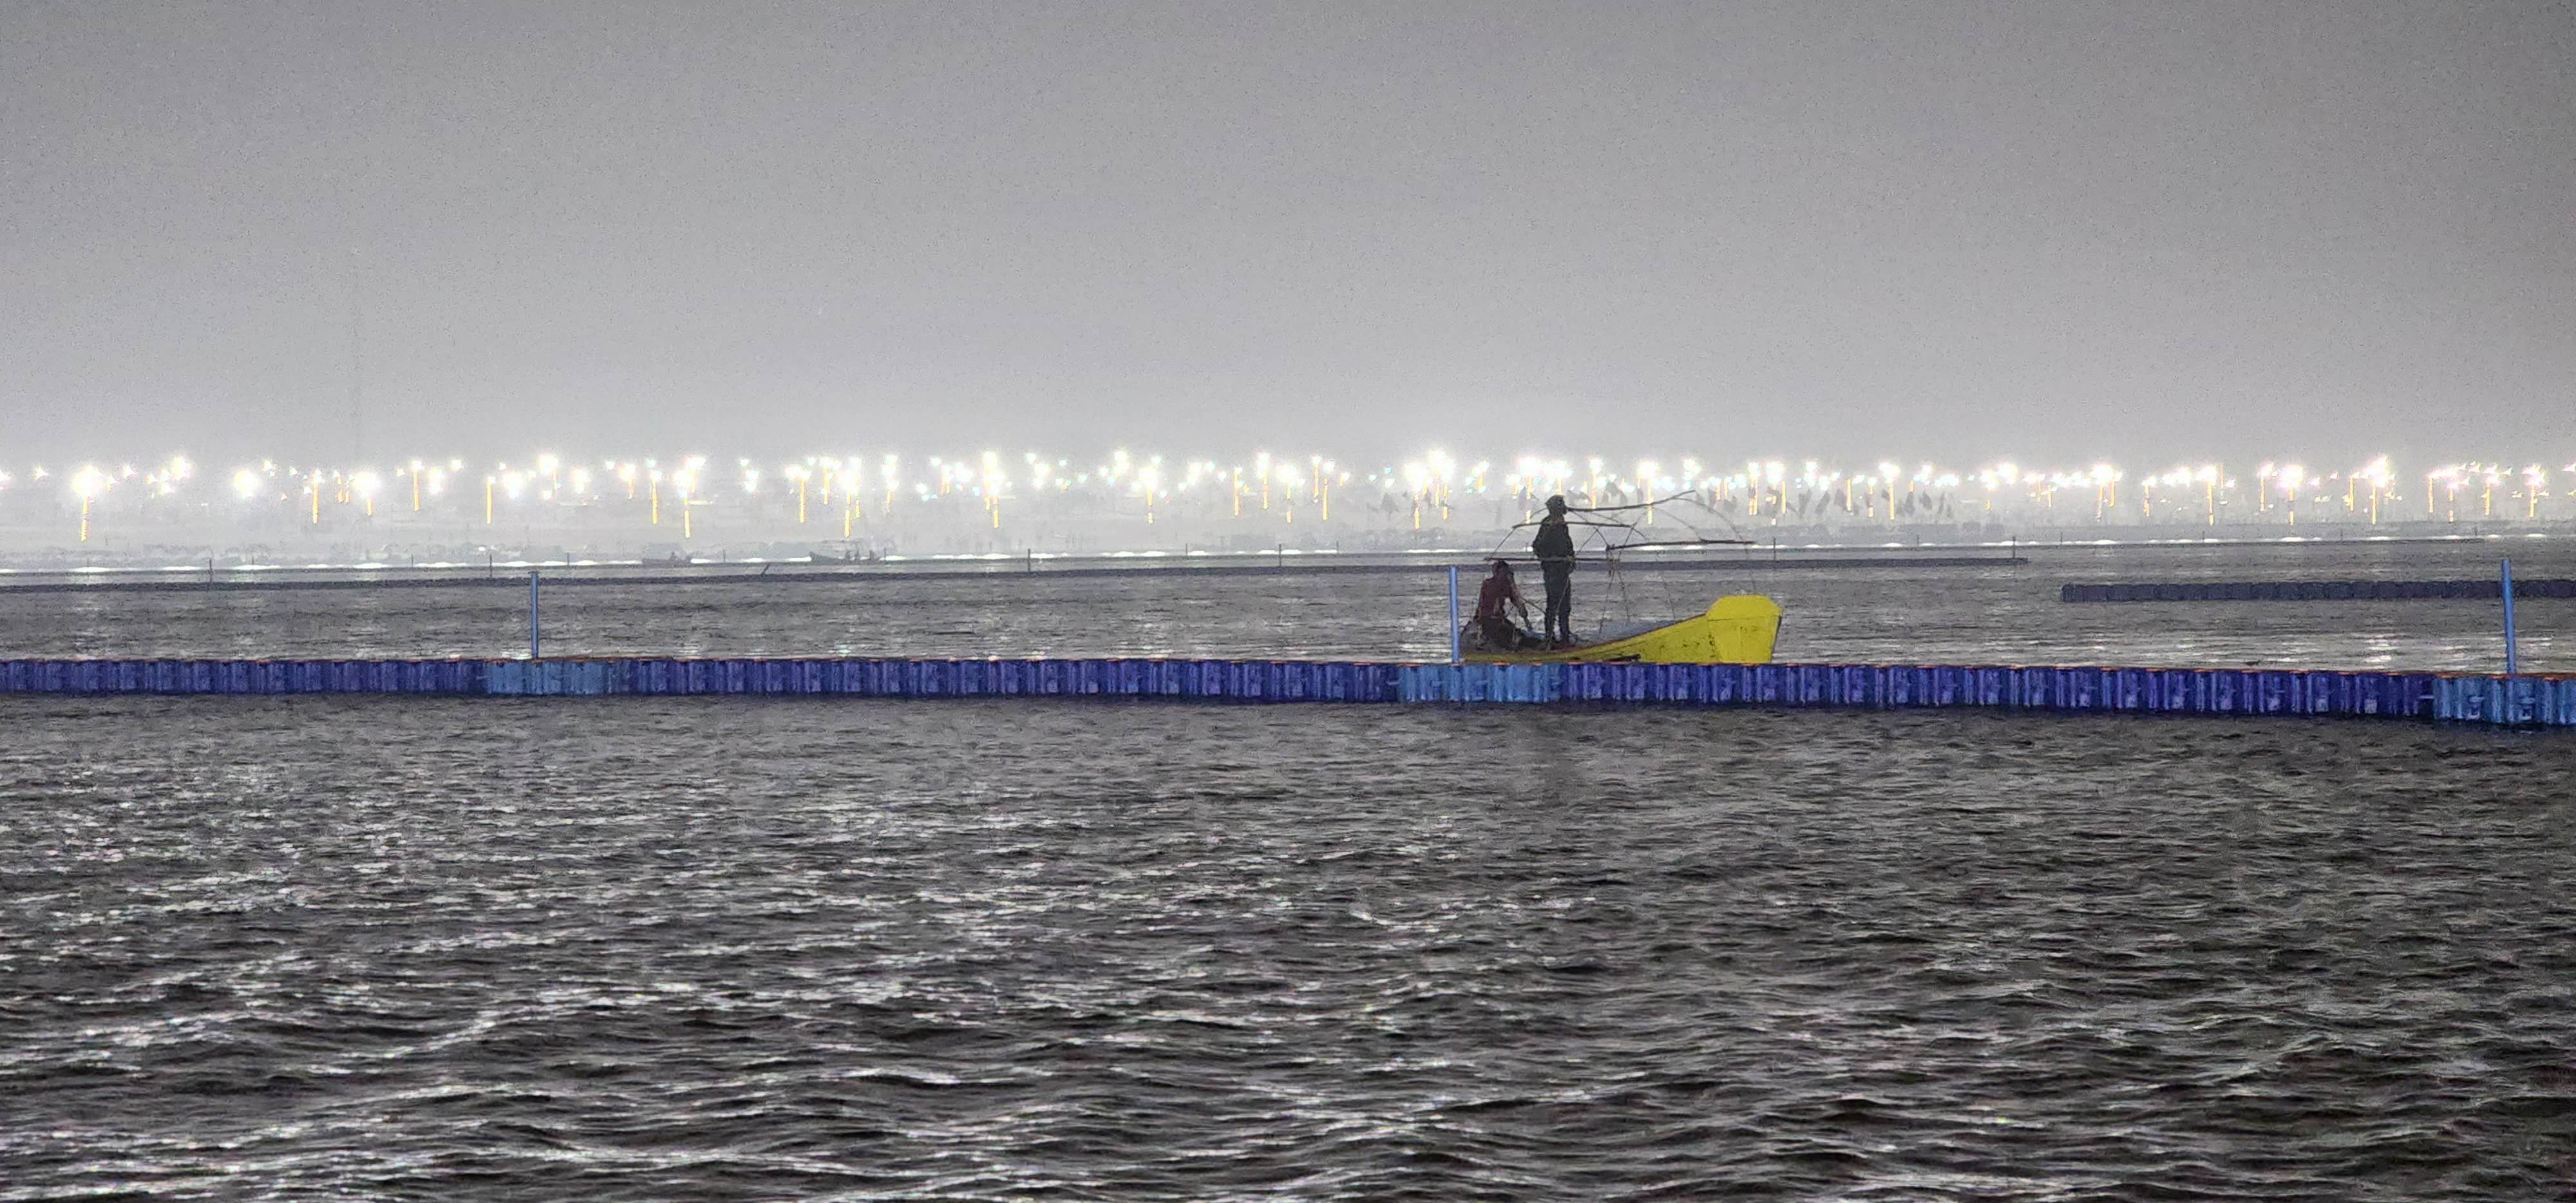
1556,504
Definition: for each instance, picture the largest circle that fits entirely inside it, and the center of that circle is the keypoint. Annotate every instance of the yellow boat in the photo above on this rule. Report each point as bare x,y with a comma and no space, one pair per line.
1737,629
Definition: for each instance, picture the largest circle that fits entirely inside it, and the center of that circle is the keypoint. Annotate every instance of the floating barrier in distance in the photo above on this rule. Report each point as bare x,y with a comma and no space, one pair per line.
2547,700
2204,591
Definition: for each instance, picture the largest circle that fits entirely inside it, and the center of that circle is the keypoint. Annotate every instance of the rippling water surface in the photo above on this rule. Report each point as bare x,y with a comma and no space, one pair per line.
721,948
1971,615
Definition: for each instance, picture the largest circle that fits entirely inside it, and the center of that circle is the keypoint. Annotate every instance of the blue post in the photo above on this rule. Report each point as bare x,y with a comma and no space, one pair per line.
2508,619
1454,656
532,616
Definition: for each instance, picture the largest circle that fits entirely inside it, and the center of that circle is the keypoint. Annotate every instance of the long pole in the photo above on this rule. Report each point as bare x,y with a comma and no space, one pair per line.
357,366
533,640
2508,619
1454,656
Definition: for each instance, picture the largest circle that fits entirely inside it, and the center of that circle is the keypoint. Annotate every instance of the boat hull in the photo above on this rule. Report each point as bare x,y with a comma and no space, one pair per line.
1736,629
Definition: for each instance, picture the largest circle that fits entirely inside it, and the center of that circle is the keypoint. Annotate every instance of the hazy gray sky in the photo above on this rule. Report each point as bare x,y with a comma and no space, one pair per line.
2049,230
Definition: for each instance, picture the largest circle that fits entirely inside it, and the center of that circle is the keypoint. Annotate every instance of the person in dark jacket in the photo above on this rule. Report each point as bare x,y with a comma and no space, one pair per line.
1554,547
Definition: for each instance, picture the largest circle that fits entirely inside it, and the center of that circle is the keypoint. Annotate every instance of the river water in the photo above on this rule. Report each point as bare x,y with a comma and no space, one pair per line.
711,948
1965,615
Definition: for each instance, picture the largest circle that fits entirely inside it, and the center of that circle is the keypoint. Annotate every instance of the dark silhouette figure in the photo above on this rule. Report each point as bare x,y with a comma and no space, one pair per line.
1554,547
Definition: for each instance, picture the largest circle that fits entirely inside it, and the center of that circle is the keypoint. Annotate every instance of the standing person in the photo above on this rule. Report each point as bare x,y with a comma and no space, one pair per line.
1554,547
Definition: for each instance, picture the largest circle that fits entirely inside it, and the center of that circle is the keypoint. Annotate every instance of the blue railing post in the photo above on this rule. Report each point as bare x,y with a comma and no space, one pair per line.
533,641
1454,656
2508,619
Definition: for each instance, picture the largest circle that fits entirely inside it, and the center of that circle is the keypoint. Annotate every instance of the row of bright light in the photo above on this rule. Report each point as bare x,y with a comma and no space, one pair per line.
1434,473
